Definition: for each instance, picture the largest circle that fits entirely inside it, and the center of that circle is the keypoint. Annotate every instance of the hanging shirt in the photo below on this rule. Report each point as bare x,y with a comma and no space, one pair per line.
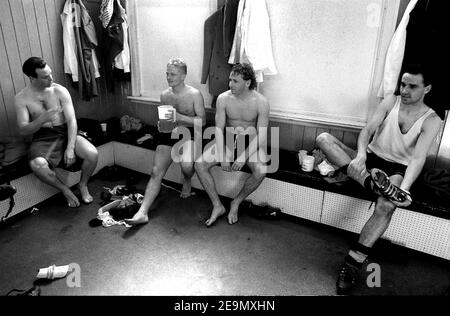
122,61
106,12
394,56
390,144
252,42
74,17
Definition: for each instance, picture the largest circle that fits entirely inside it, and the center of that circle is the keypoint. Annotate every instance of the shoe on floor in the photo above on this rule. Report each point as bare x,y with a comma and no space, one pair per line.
390,191
346,280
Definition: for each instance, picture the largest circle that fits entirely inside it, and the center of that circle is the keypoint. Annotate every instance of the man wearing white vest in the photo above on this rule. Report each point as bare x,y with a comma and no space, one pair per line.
391,153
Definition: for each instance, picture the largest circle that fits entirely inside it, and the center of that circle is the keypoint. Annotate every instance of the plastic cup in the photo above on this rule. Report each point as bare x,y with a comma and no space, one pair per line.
301,153
308,163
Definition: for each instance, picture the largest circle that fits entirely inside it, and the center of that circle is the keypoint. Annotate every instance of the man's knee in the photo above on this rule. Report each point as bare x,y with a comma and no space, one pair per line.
157,171
187,167
201,166
384,208
92,154
259,172
38,163
324,140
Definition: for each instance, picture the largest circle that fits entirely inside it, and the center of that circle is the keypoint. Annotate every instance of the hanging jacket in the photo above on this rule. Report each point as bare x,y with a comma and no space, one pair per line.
79,41
116,49
215,64
230,11
252,42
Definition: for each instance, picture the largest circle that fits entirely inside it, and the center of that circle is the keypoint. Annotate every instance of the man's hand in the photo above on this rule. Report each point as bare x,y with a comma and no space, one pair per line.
237,166
69,157
357,167
49,116
226,166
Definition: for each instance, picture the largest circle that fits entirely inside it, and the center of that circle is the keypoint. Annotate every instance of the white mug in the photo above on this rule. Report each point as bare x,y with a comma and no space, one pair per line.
167,118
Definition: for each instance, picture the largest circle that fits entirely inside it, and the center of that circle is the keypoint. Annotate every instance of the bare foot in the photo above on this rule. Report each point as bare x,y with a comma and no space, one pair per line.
85,195
72,200
233,214
138,218
215,214
186,191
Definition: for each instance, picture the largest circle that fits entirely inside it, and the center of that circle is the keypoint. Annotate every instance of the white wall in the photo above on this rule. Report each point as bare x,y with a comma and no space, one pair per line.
329,53
167,29
326,52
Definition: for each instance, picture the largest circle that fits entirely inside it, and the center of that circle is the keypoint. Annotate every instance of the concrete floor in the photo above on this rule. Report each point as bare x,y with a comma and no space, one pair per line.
175,254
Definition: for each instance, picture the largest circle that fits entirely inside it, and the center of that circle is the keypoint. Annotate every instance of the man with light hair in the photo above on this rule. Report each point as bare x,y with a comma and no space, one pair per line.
189,105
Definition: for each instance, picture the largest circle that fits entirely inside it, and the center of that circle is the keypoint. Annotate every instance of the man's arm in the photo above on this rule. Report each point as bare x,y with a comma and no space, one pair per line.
430,129
262,125
69,114
23,118
358,165
199,108
220,130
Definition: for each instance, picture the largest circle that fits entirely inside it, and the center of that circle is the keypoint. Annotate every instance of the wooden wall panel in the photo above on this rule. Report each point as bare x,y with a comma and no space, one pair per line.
4,124
43,30
55,36
32,29
12,48
6,87
20,29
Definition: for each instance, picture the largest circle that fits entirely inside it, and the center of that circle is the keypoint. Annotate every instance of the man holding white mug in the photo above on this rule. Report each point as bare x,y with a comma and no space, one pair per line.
188,107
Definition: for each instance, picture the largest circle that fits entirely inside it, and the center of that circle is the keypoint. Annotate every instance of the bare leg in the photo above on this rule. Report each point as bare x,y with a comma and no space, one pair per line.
206,179
86,151
161,163
380,219
187,169
336,152
250,185
42,170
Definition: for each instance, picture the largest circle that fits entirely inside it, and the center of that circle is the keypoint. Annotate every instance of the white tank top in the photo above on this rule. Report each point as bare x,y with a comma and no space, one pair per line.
390,144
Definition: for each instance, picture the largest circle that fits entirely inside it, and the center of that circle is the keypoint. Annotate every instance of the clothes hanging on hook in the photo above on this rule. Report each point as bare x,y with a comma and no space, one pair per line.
115,41
80,40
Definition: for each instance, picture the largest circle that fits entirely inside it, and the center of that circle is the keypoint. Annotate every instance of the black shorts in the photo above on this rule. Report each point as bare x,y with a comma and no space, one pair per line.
391,168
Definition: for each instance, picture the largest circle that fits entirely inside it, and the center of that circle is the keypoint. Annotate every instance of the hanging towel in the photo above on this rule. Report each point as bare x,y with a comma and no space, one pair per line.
252,42
80,40
394,56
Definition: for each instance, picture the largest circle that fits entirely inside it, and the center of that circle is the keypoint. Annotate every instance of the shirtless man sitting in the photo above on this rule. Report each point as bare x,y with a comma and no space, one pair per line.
190,110
45,109
240,109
